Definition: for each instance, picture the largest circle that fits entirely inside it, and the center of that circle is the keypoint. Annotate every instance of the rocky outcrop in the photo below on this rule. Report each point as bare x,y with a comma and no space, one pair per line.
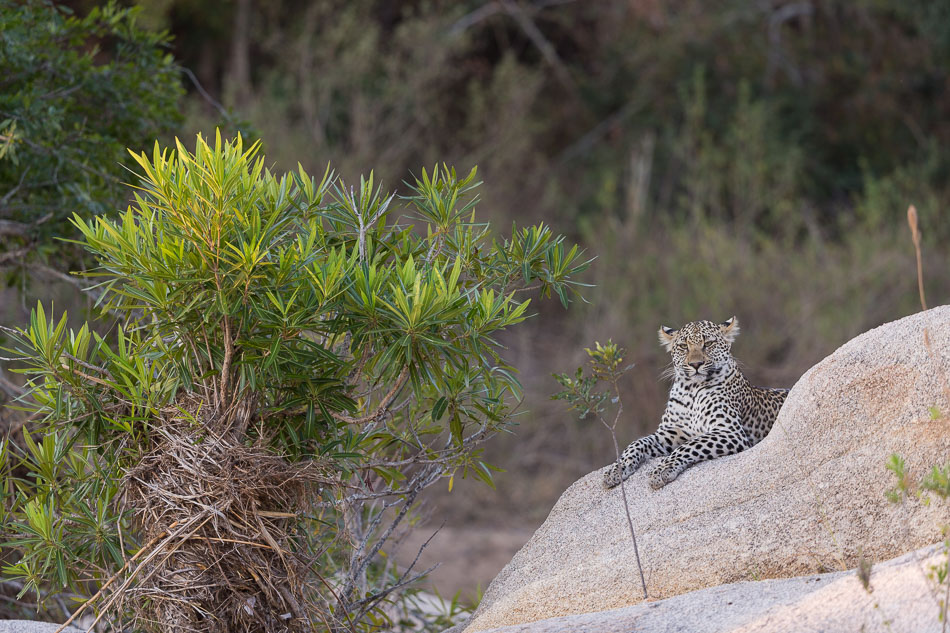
899,597
807,499
29,626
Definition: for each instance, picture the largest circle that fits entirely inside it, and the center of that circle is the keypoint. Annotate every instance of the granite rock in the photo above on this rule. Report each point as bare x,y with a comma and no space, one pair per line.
807,499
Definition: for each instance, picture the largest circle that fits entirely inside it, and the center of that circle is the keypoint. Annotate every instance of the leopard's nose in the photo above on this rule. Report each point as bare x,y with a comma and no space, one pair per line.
697,365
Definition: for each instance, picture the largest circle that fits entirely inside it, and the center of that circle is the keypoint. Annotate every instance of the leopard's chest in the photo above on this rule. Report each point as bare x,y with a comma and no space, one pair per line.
696,410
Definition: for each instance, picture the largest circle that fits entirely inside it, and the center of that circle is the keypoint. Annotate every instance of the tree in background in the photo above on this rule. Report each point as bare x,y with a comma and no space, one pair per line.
579,89
295,364
74,94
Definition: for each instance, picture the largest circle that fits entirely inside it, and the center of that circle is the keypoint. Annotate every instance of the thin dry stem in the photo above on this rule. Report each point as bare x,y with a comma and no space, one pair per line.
226,365
626,506
915,236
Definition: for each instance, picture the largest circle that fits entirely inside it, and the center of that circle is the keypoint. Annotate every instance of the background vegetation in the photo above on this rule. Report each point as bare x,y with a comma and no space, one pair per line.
747,158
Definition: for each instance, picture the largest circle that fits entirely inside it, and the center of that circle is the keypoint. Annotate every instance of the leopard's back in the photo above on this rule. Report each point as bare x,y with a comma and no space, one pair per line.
763,410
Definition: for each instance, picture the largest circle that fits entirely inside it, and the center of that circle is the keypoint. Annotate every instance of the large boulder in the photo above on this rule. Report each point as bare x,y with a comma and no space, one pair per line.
809,498
30,626
899,597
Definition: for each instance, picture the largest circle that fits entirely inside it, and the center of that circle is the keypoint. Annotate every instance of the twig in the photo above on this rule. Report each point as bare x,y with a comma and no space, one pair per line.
15,427
101,370
547,50
383,405
470,19
365,559
915,236
776,53
369,602
373,600
491,8
10,388
623,491
9,227
204,93
590,137
6,197
14,255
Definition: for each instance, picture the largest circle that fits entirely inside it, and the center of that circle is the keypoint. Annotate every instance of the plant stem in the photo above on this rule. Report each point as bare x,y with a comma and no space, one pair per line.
915,237
626,506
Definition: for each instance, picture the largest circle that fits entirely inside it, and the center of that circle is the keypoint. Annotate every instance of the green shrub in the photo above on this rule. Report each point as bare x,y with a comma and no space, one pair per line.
294,364
933,485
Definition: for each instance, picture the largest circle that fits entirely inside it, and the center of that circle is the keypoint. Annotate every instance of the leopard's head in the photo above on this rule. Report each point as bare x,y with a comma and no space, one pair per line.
701,350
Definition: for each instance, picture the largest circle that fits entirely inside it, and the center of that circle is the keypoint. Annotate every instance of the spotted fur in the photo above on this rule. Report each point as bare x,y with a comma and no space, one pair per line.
712,411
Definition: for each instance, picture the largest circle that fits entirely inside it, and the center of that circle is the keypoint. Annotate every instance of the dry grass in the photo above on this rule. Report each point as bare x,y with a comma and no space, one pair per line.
221,524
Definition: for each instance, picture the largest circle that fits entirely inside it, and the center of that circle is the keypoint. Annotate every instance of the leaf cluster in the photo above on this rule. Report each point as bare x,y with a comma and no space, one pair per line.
580,390
936,481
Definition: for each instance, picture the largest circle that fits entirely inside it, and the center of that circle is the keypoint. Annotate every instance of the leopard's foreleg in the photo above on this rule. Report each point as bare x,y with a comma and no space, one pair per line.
658,444
724,440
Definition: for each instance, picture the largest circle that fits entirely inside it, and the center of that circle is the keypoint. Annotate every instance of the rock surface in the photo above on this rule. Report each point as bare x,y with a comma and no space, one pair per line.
807,499
29,626
902,599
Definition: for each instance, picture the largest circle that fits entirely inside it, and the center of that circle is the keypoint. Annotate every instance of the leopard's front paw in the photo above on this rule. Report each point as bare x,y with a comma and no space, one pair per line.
612,476
662,475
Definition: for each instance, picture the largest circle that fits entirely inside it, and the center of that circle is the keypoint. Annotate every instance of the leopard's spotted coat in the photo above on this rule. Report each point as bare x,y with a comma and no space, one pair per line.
712,410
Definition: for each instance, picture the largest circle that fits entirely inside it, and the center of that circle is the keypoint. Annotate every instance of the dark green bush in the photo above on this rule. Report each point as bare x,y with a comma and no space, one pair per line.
74,93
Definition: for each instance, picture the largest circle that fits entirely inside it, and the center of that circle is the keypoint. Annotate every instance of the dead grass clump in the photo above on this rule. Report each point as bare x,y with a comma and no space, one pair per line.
223,518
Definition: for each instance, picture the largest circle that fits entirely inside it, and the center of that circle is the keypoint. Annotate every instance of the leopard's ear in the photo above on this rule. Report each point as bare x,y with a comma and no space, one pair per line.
730,329
666,337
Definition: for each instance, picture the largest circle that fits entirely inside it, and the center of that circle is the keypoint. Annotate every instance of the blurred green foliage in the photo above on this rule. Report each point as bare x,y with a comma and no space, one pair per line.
819,97
75,92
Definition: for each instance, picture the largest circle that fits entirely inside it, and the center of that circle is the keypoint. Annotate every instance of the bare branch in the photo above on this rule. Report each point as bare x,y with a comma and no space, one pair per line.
471,19
10,388
204,93
383,405
365,559
13,256
401,583
489,9
101,370
594,134
9,227
547,50
777,54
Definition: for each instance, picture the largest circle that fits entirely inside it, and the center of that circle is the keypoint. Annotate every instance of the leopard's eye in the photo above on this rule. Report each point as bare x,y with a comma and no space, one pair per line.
681,347
709,344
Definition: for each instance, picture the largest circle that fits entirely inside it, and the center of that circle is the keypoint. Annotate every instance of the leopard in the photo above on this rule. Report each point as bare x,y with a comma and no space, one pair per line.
712,410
